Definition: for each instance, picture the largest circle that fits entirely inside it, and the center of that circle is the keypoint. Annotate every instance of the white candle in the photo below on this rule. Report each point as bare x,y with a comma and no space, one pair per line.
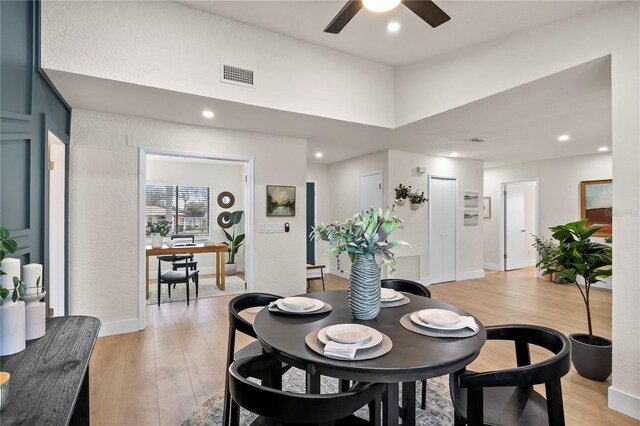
30,275
11,267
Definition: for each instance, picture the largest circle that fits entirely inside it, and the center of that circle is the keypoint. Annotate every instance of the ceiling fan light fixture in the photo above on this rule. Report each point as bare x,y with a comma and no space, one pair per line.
380,5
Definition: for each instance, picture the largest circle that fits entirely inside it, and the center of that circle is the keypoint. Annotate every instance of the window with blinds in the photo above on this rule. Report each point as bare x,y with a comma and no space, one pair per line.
186,208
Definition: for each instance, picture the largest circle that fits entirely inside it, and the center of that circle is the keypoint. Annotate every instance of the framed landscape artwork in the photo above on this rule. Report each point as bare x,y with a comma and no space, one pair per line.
471,199
596,204
471,218
281,200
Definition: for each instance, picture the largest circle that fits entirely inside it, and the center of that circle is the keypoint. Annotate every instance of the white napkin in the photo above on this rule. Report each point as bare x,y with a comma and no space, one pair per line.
341,350
469,322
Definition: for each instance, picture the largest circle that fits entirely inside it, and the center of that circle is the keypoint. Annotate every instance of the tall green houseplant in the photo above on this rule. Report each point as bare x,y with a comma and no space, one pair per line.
235,241
579,257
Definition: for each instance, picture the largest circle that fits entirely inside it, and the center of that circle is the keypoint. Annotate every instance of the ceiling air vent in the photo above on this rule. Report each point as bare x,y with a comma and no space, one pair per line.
236,75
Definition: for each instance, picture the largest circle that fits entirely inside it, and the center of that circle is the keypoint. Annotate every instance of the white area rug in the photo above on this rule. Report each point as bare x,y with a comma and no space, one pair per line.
439,408
207,288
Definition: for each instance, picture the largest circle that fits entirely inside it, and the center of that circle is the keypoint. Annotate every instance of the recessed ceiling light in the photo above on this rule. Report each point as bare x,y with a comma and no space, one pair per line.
380,5
563,138
393,27
318,155
207,114
603,149
454,154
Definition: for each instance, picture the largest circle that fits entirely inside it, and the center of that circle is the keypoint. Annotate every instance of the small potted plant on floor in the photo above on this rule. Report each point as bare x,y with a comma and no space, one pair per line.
583,262
235,242
546,248
402,193
417,199
158,231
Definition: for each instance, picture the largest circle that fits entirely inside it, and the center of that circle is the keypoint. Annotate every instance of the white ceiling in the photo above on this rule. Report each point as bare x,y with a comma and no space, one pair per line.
521,124
366,35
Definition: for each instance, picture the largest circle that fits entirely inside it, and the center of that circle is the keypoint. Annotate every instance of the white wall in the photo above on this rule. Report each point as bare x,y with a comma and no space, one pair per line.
170,46
104,172
218,177
344,179
402,169
319,173
435,86
559,192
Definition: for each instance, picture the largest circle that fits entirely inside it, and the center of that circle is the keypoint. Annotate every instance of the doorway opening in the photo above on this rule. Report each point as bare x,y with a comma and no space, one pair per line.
196,194
57,188
370,191
443,208
520,219
311,221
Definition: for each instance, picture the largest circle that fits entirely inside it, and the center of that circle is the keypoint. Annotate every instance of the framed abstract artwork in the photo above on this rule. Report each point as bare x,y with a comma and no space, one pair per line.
596,204
281,200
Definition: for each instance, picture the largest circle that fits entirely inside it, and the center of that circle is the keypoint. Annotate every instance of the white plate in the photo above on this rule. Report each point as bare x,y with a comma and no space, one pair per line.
298,303
349,333
376,338
318,304
440,317
397,297
416,319
388,294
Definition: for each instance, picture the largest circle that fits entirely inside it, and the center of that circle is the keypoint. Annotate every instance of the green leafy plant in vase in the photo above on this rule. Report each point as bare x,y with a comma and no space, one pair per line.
158,231
234,242
417,199
582,262
364,238
402,193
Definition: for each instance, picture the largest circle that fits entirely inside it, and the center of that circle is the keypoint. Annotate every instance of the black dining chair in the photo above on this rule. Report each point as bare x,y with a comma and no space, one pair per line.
418,289
237,323
185,261
276,407
507,397
173,277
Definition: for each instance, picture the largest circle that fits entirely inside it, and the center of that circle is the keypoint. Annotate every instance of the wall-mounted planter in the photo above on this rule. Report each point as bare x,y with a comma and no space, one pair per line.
415,206
401,202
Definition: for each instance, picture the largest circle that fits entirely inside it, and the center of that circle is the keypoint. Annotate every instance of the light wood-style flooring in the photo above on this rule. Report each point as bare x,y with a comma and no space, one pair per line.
160,375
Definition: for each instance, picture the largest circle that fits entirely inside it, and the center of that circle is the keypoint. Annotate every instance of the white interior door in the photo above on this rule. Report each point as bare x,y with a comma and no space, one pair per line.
442,229
370,191
55,282
518,227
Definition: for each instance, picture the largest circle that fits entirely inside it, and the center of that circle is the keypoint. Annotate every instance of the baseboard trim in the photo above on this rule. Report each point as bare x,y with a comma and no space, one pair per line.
492,266
119,327
461,276
624,403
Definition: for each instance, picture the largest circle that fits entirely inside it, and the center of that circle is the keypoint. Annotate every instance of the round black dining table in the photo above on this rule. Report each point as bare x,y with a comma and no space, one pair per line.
413,356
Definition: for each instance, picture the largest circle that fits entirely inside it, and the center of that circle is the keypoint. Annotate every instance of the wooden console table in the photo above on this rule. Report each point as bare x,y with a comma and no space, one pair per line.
50,379
219,249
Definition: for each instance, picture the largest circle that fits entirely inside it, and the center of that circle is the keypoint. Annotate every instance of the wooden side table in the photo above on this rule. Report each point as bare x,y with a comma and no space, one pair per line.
50,379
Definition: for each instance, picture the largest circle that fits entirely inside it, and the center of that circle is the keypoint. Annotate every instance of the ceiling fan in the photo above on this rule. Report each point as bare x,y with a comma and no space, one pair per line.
425,9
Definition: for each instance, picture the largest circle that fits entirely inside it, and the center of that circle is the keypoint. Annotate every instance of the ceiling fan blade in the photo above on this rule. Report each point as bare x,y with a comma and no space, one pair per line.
428,12
344,16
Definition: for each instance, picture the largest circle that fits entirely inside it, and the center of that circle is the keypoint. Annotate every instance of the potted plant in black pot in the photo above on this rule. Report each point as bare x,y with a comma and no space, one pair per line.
583,260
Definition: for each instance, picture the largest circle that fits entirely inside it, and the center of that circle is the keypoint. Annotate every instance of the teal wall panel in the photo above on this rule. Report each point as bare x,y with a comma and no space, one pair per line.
29,108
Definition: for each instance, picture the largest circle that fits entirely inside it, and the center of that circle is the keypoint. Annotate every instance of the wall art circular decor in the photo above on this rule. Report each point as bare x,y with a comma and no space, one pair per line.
226,199
223,220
